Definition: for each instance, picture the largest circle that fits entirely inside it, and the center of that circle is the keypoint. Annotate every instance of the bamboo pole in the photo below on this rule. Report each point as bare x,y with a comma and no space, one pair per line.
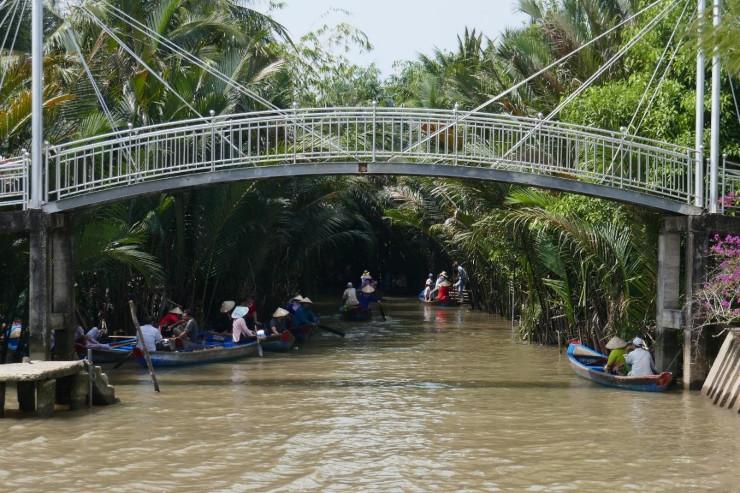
140,336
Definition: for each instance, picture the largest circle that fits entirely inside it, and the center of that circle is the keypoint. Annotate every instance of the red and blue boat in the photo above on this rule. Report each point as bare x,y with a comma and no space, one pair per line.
589,364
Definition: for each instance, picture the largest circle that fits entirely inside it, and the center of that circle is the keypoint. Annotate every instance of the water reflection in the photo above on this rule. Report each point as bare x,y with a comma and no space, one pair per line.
433,399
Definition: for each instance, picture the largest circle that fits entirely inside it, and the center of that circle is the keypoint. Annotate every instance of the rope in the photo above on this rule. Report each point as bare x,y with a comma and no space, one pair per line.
594,77
133,54
734,98
15,35
516,86
657,67
176,49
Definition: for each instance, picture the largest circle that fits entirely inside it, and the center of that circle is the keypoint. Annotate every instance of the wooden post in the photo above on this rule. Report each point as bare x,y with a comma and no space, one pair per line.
147,358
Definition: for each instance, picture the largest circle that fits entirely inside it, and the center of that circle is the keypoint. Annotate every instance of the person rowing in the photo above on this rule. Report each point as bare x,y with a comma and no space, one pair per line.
349,298
366,296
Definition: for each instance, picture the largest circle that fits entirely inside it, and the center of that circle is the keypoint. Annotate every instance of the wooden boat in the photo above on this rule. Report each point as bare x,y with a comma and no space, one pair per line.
303,333
589,364
449,302
282,342
357,314
212,353
119,352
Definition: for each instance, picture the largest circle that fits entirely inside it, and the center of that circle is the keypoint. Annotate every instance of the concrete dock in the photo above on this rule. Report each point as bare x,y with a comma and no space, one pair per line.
42,384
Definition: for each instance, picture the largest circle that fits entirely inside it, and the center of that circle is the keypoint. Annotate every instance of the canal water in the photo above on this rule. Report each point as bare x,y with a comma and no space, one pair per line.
430,400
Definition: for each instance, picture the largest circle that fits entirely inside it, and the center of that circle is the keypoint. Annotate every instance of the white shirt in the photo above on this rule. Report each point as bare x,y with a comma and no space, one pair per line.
640,361
151,336
350,297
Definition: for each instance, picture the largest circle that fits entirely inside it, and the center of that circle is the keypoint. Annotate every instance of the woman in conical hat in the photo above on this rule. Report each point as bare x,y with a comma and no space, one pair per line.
280,321
615,363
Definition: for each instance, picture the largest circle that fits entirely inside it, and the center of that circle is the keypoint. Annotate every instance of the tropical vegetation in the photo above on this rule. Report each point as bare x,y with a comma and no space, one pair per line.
564,265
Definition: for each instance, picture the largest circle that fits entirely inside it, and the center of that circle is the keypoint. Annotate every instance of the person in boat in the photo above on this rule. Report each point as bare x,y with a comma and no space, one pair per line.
366,280
250,318
170,321
441,277
239,330
280,322
302,314
187,336
366,296
462,279
640,360
443,291
223,321
615,364
151,337
349,297
428,290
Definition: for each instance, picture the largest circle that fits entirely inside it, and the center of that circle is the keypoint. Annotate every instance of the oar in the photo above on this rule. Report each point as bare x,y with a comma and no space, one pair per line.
120,363
332,330
382,312
147,358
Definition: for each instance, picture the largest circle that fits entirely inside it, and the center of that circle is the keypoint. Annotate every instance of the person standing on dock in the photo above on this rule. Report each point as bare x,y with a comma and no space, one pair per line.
462,279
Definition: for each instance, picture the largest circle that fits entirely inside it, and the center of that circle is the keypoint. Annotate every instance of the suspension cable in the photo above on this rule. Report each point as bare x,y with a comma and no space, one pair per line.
734,98
648,27
161,79
89,74
657,67
15,36
516,86
177,50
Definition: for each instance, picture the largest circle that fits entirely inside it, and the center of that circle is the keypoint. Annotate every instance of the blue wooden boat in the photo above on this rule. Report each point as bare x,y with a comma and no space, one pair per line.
213,352
589,364
279,343
119,351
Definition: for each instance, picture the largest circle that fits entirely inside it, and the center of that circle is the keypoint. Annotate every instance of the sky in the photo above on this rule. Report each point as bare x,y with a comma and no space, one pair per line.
402,29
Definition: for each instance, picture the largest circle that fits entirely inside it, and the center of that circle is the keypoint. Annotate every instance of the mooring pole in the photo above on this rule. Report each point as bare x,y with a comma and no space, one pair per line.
37,102
714,153
699,137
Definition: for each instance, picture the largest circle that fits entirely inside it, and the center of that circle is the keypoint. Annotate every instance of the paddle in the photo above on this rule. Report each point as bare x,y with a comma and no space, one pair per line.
147,357
120,363
382,312
332,330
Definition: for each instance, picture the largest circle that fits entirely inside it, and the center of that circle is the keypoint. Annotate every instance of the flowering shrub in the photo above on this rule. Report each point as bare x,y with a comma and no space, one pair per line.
719,300
730,201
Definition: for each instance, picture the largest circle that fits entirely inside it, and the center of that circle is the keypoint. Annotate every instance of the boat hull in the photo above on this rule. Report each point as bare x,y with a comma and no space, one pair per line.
357,315
588,364
303,333
279,343
215,354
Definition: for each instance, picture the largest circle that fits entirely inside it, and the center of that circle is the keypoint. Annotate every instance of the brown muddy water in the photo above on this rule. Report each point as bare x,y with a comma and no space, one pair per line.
430,400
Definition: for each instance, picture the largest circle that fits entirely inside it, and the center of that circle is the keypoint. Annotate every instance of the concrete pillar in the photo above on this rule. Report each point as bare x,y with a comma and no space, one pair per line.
38,289
695,364
61,318
26,396
45,397
668,303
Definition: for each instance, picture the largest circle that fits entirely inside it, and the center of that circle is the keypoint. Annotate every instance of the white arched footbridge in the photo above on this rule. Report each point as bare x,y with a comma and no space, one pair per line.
336,141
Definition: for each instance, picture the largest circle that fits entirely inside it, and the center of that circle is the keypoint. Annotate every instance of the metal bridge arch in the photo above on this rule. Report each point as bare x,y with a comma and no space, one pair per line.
375,140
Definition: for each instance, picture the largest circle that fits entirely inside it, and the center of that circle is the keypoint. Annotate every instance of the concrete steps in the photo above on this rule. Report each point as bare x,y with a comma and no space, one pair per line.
722,385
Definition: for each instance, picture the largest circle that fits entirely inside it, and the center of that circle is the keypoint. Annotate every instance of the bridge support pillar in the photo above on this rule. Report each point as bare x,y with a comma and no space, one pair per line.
51,287
668,302
38,286
61,316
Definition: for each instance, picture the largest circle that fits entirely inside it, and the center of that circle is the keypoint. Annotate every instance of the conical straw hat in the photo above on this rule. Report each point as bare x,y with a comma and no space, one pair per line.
227,306
281,312
177,310
239,312
616,343
307,300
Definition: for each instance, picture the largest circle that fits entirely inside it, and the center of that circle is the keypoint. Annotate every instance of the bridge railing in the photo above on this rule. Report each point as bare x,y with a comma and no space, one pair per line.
729,202
369,135
14,173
